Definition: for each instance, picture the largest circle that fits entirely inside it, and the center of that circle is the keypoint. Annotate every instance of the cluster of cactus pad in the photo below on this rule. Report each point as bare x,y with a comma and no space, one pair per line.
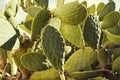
71,42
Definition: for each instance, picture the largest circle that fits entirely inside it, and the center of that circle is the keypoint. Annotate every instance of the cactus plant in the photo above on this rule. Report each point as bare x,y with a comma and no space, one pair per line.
53,46
73,41
92,31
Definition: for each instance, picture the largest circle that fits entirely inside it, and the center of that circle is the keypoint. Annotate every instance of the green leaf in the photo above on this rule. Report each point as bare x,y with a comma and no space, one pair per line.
10,39
50,74
85,75
53,46
39,21
111,19
71,13
80,60
100,7
32,10
115,65
42,3
92,31
91,9
73,34
109,7
112,40
33,61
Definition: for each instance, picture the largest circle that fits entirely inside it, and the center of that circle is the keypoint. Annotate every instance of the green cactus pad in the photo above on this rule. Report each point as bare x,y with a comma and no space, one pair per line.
49,74
71,13
111,19
80,60
91,9
109,7
32,10
112,40
92,31
73,34
39,21
53,46
100,7
33,61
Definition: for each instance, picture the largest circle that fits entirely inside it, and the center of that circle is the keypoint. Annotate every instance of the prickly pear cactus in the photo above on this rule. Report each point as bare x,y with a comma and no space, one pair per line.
80,60
73,41
73,33
111,19
49,74
53,46
40,20
92,31
71,13
107,9
33,61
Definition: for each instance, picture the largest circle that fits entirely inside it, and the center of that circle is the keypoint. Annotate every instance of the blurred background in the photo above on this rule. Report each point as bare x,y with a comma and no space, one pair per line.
52,5
90,2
